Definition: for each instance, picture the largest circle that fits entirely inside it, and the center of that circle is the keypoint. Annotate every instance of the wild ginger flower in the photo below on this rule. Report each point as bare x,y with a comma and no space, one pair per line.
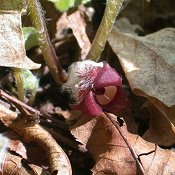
95,87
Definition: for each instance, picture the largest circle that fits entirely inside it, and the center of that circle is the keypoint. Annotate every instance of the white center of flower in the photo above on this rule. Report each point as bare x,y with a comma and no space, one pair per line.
81,76
107,96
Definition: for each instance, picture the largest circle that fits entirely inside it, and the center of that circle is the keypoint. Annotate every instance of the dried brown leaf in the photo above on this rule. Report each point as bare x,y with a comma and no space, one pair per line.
61,25
123,24
12,50
15,165
160,129
13,157
78,25
16,145
59,162
6,115
114,155
149,66
149,62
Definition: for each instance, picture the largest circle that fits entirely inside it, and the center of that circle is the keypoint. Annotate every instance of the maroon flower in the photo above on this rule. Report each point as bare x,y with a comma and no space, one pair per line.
98,88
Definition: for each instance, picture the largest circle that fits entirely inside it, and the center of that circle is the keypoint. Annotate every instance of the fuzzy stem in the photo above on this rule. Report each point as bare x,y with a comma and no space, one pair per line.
36,16
19,83
111,11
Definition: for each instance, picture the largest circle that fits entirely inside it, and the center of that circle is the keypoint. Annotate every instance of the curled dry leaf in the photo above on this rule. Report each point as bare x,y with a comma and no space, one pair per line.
77,22
149,66
61,25
15,145
14,164
78,25
12,50
151,60
59,162
112,153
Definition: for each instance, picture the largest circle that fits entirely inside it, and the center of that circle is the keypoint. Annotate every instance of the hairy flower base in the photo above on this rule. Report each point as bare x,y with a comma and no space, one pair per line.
95,87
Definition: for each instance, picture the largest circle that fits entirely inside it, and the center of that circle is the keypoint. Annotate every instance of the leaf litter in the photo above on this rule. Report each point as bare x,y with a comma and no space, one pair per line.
114,149
154,68
12,50
59,163
113,154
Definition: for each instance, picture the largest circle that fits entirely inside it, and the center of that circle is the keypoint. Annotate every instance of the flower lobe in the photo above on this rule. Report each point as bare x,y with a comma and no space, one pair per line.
107,96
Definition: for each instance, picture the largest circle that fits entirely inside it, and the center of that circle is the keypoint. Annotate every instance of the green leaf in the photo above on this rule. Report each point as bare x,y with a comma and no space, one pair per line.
64,5
78,2
30,37
30,81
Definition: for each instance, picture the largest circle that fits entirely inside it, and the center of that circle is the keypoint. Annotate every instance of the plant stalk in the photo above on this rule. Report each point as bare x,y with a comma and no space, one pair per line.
32,97
19,84
37,19
111,11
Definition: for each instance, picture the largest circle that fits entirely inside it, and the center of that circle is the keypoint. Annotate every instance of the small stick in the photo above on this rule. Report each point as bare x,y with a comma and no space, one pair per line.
18,102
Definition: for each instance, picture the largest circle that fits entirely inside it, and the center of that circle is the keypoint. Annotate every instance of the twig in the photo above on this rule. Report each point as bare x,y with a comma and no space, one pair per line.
111,11
36,16
110,117
15,101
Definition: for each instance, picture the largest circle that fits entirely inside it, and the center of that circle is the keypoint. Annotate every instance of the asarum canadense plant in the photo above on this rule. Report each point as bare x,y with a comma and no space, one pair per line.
95,87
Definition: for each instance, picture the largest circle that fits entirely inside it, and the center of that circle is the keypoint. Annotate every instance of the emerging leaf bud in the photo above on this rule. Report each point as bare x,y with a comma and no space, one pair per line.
30,81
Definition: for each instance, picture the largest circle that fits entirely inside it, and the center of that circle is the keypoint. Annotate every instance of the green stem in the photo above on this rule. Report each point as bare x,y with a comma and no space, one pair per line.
19,84
36,16
32,97
111,11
